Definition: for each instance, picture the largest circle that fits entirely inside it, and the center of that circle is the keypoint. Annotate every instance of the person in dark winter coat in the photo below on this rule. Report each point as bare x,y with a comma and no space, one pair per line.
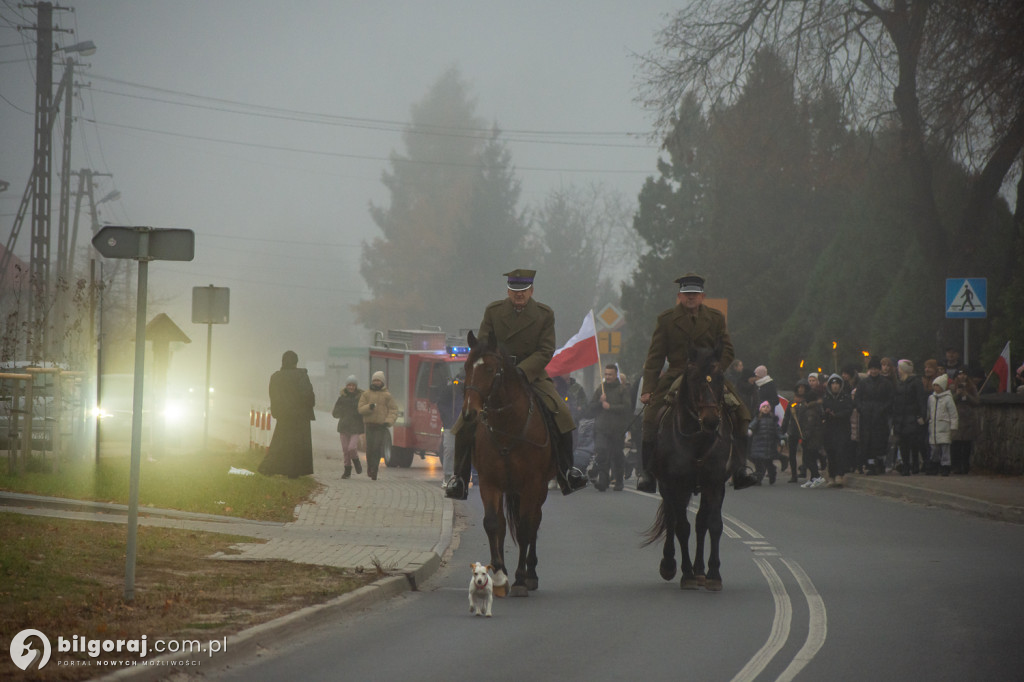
802,423
965,395
747,391
766,389
350,424
611,409
909,415
790,428
873,401
291,404
836,407
764,442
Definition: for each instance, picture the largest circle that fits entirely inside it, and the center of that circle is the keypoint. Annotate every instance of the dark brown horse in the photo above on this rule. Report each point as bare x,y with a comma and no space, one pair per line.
512,456
691,458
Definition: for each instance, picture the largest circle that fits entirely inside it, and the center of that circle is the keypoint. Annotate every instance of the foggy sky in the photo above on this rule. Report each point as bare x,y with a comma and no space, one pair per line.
280,212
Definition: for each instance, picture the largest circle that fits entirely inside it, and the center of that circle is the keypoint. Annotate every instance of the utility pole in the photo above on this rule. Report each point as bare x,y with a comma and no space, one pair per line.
39,262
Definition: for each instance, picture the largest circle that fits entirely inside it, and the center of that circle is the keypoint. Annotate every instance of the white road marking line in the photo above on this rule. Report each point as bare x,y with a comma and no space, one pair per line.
739,524
781,624
818,626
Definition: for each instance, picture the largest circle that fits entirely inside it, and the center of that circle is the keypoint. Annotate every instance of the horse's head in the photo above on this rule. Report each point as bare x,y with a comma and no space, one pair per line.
703,387
486,369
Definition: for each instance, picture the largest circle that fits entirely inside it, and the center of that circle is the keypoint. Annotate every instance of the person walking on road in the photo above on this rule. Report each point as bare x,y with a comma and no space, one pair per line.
611,408
350,424
379,412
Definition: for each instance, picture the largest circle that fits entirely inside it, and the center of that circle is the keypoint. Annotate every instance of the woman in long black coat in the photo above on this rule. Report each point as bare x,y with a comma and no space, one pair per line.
291,404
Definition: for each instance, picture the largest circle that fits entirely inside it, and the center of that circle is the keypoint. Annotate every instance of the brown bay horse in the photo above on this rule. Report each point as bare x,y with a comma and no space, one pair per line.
512,456
691,458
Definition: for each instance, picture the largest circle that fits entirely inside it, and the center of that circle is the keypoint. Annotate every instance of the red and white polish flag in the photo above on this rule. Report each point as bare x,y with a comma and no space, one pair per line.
580,351
1002,369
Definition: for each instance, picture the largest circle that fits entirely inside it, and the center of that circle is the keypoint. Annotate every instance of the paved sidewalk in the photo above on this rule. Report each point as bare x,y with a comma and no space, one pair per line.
401,521
994,497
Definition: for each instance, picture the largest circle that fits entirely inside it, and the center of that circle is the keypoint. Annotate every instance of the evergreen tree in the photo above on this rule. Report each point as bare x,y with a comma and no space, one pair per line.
451,217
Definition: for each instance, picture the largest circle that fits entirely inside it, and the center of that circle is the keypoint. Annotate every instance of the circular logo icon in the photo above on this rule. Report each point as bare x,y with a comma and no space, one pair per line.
24,655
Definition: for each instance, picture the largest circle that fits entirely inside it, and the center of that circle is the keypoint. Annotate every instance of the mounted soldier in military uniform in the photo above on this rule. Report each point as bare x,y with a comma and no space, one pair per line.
690,324
524,329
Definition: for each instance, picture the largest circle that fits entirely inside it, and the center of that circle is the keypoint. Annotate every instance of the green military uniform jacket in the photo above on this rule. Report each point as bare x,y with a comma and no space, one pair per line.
675,333
530,337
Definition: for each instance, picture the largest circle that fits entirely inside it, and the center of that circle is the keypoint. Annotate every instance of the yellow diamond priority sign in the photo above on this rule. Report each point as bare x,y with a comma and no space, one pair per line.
611,317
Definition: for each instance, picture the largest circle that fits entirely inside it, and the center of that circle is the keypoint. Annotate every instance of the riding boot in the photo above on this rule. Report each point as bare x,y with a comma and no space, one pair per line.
348,472
645,480
457,487
570,479
357,465
741,478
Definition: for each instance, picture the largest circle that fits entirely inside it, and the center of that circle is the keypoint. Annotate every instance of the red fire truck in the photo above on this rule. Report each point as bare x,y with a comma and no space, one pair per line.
416,363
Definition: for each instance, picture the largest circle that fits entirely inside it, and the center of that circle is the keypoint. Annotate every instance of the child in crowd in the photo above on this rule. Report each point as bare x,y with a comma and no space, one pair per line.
764,442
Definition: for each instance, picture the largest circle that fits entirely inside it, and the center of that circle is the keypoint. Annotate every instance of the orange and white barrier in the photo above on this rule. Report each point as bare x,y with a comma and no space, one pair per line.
259,429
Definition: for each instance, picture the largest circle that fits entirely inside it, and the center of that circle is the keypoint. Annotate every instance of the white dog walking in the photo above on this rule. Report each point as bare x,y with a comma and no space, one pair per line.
481,590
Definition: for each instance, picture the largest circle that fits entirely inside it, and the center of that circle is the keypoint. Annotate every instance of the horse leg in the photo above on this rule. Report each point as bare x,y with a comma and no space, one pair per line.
527,520
494,526
688,581
531,580
702,529
667,569
715,525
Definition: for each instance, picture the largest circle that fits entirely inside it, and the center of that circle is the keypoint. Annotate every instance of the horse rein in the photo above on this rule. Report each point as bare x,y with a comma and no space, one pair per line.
705,391
488,408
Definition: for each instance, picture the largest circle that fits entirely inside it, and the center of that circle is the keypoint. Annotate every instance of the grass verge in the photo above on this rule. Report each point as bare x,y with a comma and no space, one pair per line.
195,482
66,578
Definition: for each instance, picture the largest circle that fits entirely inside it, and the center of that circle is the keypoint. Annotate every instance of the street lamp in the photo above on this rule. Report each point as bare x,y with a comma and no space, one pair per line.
84,48
112,195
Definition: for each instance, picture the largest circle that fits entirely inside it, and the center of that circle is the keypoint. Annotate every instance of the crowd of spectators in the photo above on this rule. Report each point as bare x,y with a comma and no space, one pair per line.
886,419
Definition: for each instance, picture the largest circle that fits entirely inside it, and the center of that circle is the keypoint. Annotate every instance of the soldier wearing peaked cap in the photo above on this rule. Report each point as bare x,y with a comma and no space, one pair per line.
690,324
524,328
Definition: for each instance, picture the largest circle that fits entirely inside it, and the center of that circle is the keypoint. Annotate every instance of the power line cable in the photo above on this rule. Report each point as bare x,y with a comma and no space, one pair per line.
363,157
401,126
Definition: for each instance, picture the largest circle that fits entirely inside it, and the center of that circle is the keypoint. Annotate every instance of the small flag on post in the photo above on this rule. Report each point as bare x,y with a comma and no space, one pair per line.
1002,369
580,351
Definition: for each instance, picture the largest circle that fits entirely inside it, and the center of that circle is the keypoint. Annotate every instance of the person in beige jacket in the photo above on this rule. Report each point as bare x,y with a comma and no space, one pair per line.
379,411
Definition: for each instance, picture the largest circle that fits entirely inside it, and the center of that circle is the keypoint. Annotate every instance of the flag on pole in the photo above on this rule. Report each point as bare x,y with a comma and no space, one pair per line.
1002,369
580,351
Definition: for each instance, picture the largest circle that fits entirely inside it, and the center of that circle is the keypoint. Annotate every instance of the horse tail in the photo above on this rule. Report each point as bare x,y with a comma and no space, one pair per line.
512,514
658,528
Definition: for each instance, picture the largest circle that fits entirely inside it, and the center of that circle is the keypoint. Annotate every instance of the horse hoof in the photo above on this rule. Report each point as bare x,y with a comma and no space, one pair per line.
667,569
713,585
689,583
701,579
532,584
519,591
501,590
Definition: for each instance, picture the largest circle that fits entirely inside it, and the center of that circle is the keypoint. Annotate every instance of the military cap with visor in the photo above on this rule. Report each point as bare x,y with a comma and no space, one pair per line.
691,283
520,279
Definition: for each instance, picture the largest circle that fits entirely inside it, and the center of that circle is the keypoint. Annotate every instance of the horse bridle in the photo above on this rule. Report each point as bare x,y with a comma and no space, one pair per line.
487,408
706,400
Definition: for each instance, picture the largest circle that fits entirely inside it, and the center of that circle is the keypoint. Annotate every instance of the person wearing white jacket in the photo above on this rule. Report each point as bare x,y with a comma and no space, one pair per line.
942,421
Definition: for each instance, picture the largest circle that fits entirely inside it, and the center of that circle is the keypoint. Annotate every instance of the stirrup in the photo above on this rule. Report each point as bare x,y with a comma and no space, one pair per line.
646,483
743,479
572,480
456,489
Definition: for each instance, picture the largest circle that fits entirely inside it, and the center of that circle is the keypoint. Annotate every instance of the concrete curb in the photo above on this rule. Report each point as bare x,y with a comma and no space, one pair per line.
247,644
937,498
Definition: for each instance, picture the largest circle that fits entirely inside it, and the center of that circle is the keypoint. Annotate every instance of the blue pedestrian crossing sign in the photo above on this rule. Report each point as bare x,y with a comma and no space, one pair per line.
966,297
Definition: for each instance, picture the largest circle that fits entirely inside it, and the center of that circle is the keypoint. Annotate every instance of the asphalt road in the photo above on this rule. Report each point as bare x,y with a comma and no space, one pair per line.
819,585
